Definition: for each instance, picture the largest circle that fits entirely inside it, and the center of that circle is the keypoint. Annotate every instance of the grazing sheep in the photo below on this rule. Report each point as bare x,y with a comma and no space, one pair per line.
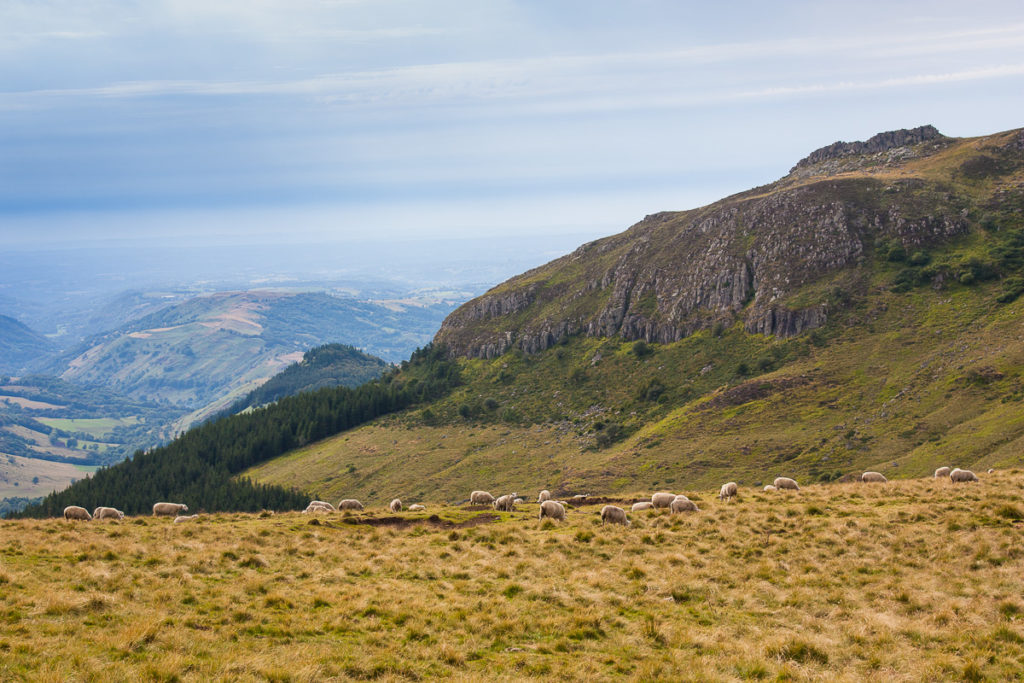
185,518
579,498
991,470
728,491
316,506
786,483
518,501
395,506
873,477
320,503
642,505
169,509
942,472
662,499
959,475
481,498
683,504
107,513
416,507
506,503
613,515
350,504
770,487
544,495
552,509
75,512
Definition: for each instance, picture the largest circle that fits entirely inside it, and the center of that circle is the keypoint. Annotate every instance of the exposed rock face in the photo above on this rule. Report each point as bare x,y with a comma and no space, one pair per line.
759,257
877,143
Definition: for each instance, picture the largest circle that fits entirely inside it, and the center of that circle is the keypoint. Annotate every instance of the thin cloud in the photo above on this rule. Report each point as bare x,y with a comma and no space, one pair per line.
557,78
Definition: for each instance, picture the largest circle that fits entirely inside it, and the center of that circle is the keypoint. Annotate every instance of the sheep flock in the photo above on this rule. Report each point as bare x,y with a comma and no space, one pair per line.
549,507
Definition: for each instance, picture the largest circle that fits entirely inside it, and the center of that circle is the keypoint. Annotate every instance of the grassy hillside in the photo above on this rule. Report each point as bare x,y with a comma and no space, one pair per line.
916,359
901,384
907,581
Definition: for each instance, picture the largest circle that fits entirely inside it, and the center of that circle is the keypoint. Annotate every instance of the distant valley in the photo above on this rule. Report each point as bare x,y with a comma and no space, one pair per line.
93,371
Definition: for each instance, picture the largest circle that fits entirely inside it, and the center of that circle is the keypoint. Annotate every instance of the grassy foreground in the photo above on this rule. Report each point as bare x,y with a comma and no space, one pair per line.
910,580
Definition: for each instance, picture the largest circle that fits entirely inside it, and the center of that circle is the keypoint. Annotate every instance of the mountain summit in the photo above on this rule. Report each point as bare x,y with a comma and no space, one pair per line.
778,259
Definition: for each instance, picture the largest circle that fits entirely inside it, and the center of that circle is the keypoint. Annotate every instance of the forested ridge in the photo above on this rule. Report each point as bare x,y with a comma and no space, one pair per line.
198,467
329,365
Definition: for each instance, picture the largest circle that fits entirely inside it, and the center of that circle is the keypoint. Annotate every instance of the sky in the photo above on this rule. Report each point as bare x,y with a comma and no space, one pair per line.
188,122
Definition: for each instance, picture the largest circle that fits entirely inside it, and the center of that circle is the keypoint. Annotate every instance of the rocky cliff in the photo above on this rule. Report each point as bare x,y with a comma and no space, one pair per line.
768,258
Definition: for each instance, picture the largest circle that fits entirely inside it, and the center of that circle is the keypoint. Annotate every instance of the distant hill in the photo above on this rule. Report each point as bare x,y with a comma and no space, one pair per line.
330,365
21,347
204,353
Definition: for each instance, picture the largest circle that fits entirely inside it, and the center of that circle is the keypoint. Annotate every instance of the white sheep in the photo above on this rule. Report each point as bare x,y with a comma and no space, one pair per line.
350,504
613,515
481,498
185,518
877,477
107,513
579,498
506,503
317,506
642,505
552,509
942,472
769,488
396,505
416,507
169,509
320,503
544,495
76,512
682,504
728,491
662,499
786,483
959,475
991,470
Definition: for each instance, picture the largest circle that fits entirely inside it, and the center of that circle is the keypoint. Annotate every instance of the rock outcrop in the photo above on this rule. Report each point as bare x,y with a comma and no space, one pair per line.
877,143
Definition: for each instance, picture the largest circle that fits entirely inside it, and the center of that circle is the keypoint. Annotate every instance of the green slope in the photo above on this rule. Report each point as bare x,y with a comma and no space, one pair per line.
915,363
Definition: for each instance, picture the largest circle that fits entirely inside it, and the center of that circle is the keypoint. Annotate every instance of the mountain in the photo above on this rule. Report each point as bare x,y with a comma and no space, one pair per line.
768,258
330,365
20,347
860,313
863,312
204,353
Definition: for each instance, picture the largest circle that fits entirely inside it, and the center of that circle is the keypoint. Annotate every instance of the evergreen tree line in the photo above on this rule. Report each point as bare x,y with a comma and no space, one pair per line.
199,467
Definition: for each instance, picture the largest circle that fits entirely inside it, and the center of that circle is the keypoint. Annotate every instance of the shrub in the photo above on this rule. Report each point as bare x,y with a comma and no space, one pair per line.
896,253
642,349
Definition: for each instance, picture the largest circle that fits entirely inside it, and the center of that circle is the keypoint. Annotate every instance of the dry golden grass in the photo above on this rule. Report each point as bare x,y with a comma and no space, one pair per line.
910,580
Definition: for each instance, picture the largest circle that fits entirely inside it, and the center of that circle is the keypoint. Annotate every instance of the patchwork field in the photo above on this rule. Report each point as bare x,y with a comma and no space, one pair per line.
910,580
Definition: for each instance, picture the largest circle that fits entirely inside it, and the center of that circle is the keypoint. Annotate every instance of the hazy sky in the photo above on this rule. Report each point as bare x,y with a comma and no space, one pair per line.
301,120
